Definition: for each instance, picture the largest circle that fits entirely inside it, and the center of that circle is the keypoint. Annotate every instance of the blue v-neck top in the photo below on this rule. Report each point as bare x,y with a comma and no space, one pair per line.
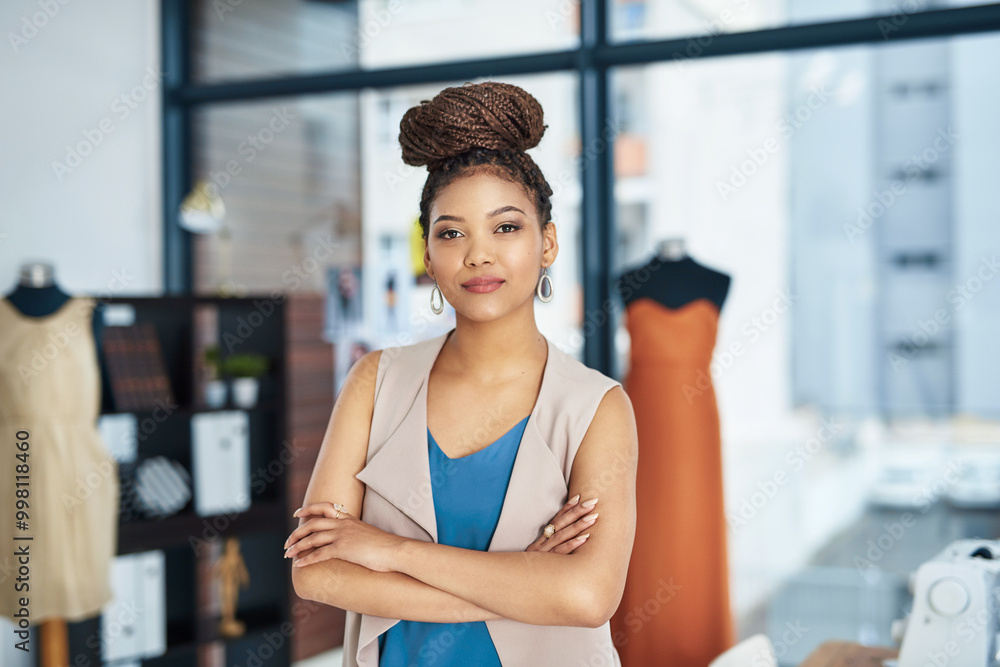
468,494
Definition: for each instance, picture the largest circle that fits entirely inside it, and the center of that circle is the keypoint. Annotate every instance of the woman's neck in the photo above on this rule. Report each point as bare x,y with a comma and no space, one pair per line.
495,351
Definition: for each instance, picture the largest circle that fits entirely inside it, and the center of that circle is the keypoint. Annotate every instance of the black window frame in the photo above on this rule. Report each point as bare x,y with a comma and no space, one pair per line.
591,61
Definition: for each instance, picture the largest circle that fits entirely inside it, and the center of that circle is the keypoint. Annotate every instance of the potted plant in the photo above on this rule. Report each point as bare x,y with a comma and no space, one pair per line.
245,369
215,386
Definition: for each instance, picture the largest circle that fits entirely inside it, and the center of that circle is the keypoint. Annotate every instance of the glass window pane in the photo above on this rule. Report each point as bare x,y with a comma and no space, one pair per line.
238,40
632,20
287,171
848,194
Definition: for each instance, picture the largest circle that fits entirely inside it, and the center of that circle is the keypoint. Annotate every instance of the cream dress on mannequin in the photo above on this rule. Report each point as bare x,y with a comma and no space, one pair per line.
50,388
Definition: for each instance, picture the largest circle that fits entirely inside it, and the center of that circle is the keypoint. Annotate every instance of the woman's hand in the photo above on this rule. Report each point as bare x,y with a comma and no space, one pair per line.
569,522
324,536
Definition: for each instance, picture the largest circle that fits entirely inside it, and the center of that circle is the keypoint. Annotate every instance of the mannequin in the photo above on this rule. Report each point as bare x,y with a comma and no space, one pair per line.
674,279
37,296
672,306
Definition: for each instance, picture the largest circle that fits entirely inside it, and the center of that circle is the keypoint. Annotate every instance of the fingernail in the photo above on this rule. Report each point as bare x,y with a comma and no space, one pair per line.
298,563
590,503
590,517
583,537
296,512
574,499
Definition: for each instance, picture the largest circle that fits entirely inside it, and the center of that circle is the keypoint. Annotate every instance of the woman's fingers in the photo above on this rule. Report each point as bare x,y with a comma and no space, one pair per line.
309,540
310,527
570,516
569,505
570,532
316,555
317,517
569,522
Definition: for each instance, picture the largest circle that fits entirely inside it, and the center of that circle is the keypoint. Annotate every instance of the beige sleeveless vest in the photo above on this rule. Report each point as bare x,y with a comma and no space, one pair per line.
398,496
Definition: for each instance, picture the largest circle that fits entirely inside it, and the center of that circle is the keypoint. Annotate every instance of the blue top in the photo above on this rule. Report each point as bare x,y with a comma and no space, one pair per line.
468,494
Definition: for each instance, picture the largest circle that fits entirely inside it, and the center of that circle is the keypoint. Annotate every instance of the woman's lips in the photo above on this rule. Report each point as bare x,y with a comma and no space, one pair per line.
484,287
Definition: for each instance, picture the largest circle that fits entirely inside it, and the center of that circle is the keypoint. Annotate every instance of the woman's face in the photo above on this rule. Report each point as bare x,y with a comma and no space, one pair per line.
482,225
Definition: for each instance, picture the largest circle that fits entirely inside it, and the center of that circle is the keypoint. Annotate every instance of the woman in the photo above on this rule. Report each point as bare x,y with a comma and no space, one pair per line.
453,528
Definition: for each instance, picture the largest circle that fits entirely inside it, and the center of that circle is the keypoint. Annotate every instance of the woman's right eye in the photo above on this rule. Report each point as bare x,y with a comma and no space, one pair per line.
443,235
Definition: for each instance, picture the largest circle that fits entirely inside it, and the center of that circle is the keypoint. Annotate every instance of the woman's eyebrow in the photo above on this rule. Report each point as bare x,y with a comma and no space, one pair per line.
492,214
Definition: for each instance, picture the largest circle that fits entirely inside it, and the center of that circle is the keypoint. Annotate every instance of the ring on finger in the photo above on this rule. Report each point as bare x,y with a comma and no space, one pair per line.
549,531
340,508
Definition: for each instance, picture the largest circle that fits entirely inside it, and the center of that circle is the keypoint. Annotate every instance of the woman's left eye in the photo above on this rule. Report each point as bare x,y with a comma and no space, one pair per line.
512,226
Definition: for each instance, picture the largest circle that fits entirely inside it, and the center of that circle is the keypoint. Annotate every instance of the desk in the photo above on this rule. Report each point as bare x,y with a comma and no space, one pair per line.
846,654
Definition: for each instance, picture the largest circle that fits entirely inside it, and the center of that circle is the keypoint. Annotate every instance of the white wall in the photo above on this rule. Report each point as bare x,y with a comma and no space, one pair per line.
68,69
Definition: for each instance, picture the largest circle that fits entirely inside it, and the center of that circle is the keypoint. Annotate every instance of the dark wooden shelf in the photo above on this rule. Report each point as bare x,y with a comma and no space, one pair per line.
261,528
268,406
187,527
256,621
183,637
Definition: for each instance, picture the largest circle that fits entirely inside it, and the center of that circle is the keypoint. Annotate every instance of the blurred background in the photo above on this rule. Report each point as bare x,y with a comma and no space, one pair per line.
836,160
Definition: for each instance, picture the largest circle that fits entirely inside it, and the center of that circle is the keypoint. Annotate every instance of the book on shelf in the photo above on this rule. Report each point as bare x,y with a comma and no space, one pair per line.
136,368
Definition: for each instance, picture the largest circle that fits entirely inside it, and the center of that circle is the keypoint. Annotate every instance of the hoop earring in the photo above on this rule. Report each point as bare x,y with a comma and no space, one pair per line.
538,288
439,308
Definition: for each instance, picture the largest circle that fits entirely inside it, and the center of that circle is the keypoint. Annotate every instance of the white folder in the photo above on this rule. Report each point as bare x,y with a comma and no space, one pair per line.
220,456
134,622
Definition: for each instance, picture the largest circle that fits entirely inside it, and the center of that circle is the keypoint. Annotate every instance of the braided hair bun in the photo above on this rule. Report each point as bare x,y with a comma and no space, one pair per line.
492,115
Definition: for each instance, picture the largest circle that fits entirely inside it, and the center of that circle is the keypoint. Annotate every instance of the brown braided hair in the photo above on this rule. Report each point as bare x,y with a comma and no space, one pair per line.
476,126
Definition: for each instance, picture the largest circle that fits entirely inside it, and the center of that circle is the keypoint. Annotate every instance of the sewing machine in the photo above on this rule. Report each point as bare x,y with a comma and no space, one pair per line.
955,620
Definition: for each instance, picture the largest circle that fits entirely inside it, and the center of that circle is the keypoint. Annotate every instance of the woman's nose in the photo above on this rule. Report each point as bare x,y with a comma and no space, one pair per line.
480,252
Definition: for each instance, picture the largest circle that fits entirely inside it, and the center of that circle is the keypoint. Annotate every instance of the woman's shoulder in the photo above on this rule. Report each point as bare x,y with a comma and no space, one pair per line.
406,351
573,373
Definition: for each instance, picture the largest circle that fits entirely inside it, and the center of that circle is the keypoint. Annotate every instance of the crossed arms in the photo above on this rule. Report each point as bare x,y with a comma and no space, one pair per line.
425,581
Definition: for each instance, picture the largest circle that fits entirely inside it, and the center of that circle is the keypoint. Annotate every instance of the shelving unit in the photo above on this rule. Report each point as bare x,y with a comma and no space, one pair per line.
191,542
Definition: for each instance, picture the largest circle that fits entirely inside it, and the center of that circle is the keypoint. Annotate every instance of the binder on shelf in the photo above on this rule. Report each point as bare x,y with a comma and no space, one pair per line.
134,623
220,443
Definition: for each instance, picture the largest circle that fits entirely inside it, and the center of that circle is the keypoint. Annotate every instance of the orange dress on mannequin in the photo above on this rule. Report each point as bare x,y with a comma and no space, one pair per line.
675,609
